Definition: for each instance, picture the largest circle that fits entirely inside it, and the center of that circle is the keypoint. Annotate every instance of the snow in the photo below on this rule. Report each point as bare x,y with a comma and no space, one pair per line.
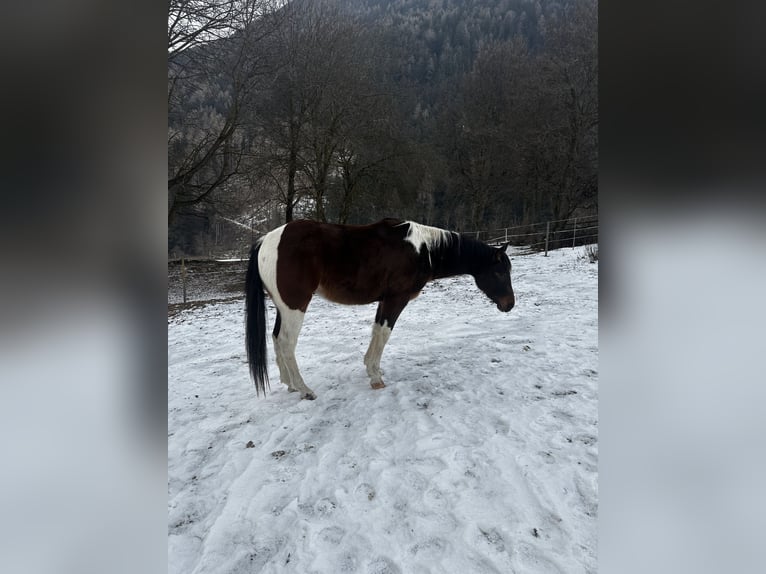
480,454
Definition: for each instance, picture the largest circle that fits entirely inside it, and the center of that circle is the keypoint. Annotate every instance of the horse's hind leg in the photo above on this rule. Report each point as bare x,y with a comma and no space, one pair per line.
284,374
388,312
285,340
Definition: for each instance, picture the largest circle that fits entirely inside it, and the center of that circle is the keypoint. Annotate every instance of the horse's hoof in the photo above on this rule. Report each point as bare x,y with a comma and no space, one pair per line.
377,385
309,396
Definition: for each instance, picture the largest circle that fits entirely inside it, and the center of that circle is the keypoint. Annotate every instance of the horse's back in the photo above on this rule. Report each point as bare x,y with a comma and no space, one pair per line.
305,238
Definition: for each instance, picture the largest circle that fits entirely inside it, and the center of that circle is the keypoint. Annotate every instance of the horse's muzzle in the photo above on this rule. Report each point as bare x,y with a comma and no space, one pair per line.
506,305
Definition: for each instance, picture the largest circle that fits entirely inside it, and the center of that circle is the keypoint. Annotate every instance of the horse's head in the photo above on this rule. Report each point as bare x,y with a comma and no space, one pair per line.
495,280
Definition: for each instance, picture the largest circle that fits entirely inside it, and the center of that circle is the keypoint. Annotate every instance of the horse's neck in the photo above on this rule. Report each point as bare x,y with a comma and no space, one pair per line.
462,256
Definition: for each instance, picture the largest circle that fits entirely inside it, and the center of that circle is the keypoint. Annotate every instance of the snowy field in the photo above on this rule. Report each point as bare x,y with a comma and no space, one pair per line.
480,455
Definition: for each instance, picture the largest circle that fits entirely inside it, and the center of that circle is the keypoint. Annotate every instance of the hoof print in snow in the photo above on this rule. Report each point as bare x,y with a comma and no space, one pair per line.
332,535
494,360
278,454
365,490
526,348
250,444
432,546
382,565
494,538
325,507
535,533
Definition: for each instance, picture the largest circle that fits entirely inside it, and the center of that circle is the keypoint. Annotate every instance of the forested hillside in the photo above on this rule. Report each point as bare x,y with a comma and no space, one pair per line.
459,114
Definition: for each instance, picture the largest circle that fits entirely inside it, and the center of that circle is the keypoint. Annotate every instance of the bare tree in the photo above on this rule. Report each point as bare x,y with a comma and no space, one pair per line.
323,104
570,58
215,65
195,22
330,86
485,129
523,135
282,111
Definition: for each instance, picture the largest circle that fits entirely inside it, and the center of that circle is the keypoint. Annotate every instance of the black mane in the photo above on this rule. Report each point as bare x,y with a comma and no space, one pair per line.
460,255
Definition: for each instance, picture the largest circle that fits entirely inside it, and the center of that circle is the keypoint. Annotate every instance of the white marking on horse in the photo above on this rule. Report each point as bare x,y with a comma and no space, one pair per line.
423,235
267,264
380,335
291,319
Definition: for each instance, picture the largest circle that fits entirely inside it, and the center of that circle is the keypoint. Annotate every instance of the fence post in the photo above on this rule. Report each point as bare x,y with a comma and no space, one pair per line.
183,276
547,233
574,233
506,235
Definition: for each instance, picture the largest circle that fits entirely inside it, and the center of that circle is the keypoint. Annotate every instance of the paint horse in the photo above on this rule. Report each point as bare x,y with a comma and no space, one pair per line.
388,262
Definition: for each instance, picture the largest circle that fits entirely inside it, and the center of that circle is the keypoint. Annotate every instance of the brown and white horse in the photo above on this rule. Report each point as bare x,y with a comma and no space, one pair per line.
389,262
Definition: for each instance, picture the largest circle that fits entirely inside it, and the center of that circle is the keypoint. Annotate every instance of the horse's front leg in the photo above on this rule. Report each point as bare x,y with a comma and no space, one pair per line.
380,335
388,312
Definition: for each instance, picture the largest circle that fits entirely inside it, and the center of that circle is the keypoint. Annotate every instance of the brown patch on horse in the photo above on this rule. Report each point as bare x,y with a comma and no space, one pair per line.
330,257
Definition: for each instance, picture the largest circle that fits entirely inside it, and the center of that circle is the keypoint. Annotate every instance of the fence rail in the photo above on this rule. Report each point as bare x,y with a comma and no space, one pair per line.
199,279
544,235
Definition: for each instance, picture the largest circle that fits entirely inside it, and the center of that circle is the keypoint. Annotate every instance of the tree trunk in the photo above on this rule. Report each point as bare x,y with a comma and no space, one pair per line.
319,193
292,168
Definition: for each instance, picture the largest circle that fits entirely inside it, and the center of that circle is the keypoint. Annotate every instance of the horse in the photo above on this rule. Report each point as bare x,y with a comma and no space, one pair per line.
389,262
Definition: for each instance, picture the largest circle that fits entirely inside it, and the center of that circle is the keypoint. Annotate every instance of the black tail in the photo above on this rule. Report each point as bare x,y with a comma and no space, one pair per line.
255,323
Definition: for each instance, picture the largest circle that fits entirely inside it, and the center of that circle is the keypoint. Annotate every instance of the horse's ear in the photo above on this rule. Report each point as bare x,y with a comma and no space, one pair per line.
501,251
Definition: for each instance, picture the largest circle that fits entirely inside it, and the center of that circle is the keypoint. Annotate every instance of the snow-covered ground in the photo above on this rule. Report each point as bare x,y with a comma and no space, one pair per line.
480,454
